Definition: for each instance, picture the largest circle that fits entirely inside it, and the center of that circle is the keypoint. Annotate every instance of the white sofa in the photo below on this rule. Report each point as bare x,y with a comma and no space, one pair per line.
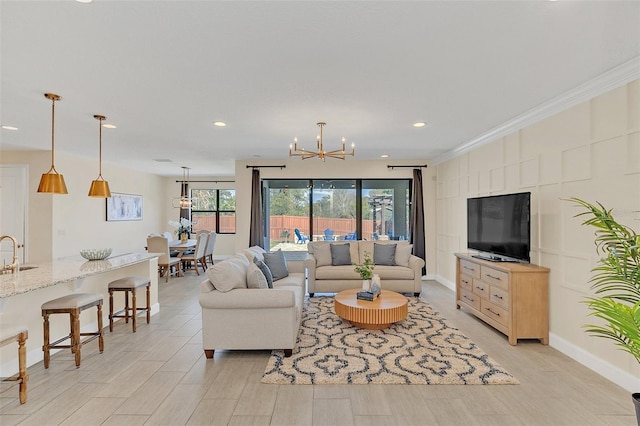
250,318
323,277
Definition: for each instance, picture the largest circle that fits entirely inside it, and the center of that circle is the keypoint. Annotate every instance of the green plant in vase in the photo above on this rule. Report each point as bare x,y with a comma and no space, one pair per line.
616,282
366,269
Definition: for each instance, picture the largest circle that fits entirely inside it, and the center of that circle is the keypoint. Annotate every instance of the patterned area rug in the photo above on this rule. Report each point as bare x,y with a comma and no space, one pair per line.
421,349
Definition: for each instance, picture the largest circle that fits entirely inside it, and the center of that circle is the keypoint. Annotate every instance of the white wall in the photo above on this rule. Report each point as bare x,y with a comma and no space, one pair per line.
590,151
61,225
334,169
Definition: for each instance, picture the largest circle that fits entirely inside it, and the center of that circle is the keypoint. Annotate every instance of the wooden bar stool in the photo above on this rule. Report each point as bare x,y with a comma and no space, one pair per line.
73,305
11,333
129,284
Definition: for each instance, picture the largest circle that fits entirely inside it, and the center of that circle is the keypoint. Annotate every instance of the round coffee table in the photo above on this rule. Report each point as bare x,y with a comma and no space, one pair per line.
388,308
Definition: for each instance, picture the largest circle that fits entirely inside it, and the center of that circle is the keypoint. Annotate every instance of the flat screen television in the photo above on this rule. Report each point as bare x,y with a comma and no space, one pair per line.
499,227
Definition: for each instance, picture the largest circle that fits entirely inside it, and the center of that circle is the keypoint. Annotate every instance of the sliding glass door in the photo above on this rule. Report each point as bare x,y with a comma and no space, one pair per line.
299,211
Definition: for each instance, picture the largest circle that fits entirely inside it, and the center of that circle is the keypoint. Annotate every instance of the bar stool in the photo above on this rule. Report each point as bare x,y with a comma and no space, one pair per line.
12,333
73,305
129,284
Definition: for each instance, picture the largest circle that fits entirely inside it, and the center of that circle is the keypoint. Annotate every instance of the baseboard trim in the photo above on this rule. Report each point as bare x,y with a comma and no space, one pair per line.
445,282
592,362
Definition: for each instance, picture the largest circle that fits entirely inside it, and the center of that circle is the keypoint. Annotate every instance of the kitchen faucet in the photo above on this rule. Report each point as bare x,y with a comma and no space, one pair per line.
14,264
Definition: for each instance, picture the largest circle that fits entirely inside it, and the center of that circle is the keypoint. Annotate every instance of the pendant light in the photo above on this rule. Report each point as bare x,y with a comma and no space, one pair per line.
52,182
184,202
100,187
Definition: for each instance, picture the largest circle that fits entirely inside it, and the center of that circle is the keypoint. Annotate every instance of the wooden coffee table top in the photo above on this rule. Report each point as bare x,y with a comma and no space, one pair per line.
388,308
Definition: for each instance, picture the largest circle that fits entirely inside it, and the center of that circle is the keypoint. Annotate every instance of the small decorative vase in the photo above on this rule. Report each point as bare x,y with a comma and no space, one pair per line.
376,281
184,237
366,285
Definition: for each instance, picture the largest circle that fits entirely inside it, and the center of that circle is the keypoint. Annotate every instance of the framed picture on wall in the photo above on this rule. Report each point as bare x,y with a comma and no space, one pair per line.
124,207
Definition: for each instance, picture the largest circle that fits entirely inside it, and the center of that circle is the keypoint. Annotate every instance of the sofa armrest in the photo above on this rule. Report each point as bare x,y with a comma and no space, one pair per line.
245,298
416,264
310,265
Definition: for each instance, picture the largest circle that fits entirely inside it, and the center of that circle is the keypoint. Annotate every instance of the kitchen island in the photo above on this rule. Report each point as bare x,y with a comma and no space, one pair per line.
22,294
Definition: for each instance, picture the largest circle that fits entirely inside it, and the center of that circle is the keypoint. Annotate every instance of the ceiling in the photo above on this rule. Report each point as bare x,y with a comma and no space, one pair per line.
163,71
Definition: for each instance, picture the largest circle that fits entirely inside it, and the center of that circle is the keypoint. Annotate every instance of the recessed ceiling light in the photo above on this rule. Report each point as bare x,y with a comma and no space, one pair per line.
219,123
84,1
9,127
419,124
109,126
384,156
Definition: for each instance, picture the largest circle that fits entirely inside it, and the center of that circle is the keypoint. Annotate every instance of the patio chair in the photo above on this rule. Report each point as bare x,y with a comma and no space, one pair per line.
351,236
300,236
328,235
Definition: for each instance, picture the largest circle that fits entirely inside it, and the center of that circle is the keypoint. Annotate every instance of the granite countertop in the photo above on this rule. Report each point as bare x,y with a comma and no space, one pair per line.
64,270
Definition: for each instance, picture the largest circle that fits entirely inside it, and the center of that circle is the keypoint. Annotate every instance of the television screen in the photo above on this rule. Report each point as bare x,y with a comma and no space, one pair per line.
499,225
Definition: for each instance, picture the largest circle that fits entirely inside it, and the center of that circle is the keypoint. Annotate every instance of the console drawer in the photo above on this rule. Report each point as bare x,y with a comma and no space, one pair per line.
470,299
470,268
481,288
499,296
495,277
495,312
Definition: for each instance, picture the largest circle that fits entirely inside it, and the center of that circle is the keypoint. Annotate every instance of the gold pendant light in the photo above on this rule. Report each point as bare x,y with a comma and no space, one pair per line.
100,187
184,202
52,182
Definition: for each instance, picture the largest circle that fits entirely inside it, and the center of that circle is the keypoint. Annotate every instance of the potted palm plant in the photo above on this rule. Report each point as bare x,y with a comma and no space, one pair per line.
616,282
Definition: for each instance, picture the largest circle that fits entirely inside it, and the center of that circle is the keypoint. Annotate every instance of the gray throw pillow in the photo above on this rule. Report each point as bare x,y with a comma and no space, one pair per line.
265,271
340,254
276,263
384,254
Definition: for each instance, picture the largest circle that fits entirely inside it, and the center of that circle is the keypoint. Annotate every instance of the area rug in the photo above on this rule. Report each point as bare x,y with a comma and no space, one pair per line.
421,349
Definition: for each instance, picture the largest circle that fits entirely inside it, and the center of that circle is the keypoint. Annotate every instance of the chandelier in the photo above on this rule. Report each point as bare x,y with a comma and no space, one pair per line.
339,153
184,202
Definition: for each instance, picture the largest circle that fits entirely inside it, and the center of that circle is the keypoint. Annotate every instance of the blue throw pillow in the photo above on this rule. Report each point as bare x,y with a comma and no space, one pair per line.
276,263
384,254
340,254
265,271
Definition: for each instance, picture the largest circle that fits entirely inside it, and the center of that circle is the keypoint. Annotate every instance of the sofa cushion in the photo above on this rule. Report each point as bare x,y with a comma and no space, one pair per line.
255,277
322,253
344,272
242,258
276,263
364,246
227,275
340,254
293,279
265,271
254,251
403,254
394,272
384,254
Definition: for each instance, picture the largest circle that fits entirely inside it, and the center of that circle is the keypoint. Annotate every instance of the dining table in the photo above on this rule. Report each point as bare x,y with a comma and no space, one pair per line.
181,247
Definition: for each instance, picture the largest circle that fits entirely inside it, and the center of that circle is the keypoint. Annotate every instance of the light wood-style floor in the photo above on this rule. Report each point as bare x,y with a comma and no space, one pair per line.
159,375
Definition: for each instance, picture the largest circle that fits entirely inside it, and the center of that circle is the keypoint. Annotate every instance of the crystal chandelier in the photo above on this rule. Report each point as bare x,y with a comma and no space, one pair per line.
339,153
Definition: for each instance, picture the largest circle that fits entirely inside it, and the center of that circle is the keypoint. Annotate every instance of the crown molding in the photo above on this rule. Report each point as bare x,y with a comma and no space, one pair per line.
616,77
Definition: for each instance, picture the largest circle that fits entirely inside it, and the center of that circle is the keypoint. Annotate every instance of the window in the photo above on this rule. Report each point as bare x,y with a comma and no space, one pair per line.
298,211
214,210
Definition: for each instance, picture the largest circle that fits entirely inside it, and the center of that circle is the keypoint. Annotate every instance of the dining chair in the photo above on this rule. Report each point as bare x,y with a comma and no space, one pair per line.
198,254
211,243
169,237
165,261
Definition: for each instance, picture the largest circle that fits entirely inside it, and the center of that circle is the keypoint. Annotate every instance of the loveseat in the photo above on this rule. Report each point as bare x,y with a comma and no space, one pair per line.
240,311
331,270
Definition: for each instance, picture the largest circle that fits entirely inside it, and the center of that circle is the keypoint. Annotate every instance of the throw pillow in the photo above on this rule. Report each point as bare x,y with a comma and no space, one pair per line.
322,254
403,254
254,251
227,275
340,254
384,254
265,271
276,263
255,277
